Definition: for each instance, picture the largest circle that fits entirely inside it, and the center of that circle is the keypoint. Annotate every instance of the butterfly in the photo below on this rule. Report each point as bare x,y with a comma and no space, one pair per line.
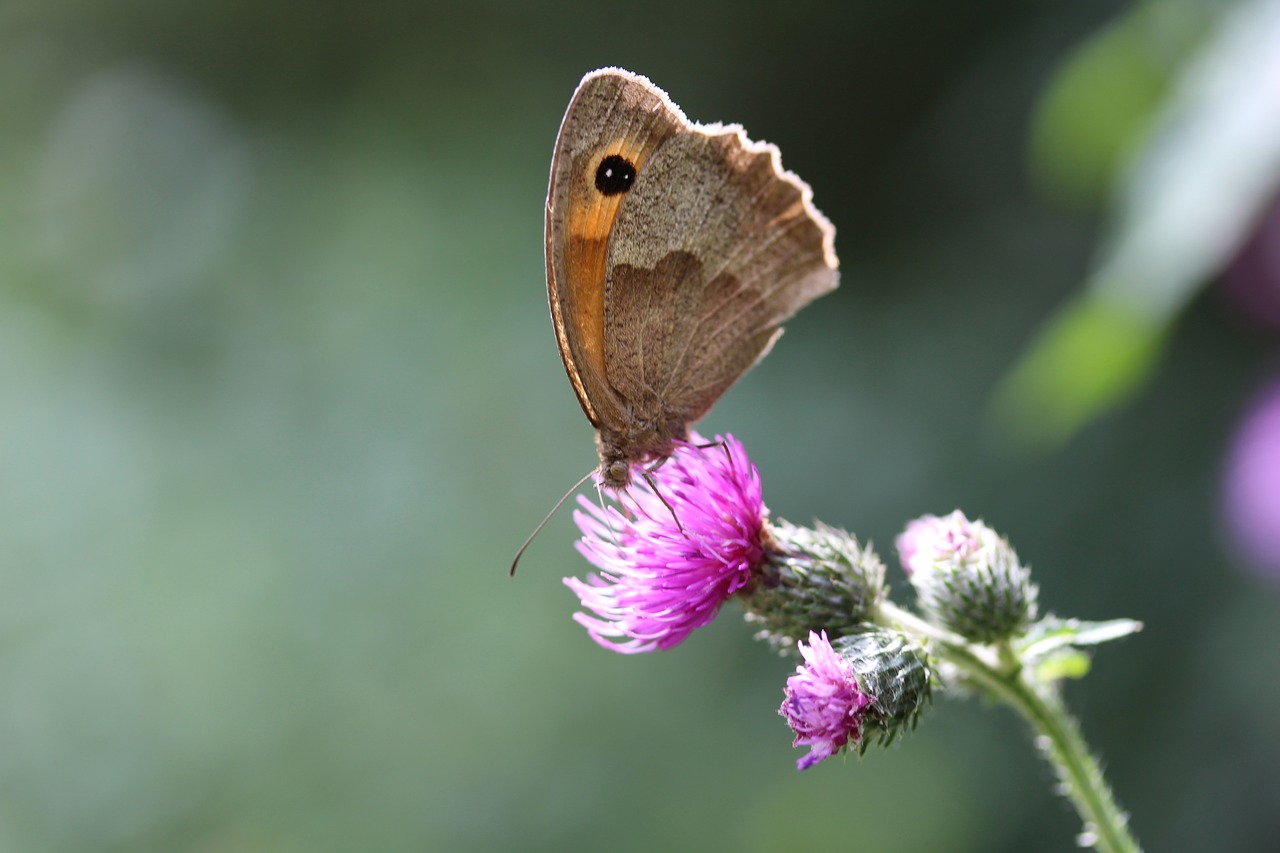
674,252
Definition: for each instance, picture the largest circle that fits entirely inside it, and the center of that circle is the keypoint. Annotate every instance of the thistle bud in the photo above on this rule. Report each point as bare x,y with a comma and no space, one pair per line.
894,672
967,578
819,579
862,689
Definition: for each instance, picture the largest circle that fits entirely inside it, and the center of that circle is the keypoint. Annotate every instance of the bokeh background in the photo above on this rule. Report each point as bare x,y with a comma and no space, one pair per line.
279,399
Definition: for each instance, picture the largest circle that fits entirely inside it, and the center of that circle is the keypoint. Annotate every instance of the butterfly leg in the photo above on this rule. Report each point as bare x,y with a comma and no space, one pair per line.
648,478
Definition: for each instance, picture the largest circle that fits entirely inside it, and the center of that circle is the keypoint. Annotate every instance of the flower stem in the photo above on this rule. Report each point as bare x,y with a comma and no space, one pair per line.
1056,731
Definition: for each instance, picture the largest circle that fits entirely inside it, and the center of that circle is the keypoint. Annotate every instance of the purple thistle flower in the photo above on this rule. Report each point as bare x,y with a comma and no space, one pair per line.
1251,482
824,706
657,582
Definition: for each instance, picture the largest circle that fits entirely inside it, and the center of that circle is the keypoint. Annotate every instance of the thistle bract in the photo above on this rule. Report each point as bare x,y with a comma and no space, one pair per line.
819,579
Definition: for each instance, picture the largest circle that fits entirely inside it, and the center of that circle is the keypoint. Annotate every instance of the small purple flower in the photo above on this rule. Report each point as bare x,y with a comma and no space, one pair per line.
1251,482
657,581
824,706
952,540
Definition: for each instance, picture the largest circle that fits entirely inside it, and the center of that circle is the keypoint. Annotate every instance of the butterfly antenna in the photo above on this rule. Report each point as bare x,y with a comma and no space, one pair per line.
538,529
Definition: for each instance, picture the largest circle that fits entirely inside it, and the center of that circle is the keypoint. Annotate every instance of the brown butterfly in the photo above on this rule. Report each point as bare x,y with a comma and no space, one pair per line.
674,251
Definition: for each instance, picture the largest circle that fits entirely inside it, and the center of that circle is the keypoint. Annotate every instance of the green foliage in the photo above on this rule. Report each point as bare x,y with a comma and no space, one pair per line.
1094,353
1186,201
1098,107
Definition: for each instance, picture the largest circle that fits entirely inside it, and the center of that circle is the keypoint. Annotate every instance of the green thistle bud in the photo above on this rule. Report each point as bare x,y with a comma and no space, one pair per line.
819,579
895,673
967,577
859,690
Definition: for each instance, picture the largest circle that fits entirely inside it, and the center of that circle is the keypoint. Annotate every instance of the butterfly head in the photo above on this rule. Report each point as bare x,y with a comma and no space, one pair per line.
615,474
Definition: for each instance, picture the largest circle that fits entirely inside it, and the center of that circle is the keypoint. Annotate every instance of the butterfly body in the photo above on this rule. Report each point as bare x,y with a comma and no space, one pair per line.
674,253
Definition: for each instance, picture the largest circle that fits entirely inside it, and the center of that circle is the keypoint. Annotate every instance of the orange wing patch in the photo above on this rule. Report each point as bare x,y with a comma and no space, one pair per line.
589,223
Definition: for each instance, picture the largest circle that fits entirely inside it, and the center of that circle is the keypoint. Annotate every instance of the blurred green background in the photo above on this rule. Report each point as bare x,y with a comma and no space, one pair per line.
279,398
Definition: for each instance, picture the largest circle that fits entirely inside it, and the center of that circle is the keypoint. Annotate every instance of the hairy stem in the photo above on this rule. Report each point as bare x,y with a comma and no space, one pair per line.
1056,731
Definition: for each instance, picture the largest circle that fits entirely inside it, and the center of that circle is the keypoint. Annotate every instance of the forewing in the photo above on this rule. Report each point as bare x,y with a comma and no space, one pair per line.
613,112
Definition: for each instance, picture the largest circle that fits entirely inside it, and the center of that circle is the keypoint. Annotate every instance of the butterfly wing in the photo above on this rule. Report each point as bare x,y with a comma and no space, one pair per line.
613,114
713,247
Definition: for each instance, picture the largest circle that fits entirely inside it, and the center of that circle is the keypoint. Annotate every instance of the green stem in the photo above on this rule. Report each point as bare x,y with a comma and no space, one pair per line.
1106,826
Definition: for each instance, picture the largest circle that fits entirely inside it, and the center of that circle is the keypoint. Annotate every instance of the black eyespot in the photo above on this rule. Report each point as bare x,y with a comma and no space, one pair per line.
615,175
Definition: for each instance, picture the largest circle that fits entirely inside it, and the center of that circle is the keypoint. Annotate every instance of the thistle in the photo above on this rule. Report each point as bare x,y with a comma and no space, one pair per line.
670,551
